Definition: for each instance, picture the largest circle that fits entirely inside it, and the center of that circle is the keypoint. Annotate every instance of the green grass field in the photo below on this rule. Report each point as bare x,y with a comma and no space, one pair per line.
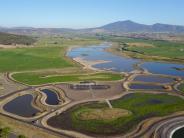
160,48
34,58
39,78
142,106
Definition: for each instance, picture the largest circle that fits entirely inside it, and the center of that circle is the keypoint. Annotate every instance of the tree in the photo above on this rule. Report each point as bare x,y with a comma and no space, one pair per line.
21,136
4,132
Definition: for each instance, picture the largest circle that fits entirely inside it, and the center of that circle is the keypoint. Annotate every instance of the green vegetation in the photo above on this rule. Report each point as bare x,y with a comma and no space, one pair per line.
162,48
48,53
4,132
9,39
103,114
181,87
20,59
149,48
21,136
33,78
62,41
141,106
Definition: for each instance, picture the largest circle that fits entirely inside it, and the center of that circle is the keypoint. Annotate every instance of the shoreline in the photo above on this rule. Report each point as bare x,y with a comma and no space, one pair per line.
145,58
87,64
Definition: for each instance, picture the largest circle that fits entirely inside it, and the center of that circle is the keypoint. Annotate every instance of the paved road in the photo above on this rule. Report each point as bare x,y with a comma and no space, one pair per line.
12,135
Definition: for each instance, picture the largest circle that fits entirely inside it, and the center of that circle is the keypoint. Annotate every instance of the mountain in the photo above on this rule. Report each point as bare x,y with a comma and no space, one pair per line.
167,28
130,26
119,27
125,26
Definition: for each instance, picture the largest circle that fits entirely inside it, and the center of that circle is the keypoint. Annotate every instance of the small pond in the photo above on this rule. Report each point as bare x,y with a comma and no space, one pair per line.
21,106
52,98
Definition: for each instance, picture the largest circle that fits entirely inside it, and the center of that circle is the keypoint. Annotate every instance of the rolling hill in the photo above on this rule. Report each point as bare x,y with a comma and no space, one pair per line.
116,27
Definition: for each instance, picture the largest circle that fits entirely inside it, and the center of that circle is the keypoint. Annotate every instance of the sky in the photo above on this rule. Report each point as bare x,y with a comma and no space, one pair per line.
88,13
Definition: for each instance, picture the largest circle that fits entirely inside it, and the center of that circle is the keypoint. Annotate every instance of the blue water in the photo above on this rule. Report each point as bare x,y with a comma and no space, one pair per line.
153,79
123,64
164,68
145,86
52,98
117,63
21,106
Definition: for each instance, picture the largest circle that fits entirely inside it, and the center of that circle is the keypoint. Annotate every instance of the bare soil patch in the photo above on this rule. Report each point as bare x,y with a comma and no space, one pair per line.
145,45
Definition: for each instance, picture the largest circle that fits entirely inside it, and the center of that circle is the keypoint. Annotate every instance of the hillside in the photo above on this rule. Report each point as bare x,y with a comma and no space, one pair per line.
130,26
12,39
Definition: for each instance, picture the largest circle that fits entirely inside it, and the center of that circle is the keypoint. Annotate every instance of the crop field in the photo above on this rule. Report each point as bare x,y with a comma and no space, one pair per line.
140,106
33,78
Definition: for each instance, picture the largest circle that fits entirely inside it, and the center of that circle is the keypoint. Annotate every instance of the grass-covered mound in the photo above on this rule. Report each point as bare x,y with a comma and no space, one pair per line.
33,78
141,106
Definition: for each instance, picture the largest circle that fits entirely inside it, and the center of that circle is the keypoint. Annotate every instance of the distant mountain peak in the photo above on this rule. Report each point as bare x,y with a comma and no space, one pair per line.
131,26
126,21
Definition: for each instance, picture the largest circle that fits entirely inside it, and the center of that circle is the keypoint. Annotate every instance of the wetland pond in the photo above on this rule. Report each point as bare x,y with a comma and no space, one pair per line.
52,98
21,106
141,86
122,64
153,79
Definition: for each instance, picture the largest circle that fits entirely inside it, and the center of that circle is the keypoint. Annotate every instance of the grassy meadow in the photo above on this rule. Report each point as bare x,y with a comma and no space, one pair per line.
34,58
32,78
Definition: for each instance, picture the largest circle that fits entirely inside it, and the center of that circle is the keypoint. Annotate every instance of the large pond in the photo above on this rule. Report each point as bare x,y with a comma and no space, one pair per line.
153,79
21,106
52,98
123,64
145,86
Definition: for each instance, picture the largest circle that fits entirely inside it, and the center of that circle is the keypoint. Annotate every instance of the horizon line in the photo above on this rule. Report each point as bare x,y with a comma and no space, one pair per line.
73,28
